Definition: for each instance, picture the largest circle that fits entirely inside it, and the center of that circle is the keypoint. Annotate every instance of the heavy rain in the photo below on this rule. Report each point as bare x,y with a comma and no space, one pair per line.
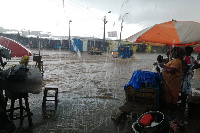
90,89
74,59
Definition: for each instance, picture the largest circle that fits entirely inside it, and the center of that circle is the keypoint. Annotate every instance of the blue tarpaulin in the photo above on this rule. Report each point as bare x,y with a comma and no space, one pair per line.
146,78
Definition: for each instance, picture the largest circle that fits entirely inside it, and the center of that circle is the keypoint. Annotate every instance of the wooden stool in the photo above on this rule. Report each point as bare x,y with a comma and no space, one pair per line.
19,96
45,97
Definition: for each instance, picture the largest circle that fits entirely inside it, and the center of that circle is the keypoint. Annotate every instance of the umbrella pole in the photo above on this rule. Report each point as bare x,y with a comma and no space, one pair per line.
170,50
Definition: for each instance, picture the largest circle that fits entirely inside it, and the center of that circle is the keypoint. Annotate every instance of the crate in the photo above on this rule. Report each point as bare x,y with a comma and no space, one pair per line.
143,96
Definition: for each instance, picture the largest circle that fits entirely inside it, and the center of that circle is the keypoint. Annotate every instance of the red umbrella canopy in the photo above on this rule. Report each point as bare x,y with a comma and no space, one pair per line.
197,49
17,49
172,33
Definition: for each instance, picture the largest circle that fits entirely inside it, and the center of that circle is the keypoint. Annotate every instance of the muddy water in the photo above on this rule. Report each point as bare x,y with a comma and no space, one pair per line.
90,88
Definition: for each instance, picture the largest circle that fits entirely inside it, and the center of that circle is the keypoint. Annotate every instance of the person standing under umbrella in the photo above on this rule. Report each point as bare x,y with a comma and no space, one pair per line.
171,79
189,64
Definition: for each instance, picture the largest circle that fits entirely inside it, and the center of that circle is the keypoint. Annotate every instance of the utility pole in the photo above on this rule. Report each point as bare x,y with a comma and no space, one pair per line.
104,28
121,29
69,34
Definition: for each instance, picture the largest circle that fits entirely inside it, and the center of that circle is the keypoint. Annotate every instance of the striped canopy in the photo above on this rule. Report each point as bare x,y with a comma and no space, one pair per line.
172,33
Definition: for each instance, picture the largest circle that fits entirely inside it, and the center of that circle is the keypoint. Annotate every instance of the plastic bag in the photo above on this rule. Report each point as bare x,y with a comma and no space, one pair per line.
18,73
32,84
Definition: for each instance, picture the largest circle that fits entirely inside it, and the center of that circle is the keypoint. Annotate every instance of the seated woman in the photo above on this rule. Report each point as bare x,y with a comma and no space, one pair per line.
171,79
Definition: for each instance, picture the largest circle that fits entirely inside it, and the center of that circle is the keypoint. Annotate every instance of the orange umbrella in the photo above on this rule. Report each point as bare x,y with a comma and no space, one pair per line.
172,33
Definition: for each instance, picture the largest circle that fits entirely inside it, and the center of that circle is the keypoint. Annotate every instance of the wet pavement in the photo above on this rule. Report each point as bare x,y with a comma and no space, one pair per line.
90,89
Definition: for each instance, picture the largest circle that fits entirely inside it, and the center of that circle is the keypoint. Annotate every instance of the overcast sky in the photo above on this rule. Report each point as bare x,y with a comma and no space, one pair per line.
87,15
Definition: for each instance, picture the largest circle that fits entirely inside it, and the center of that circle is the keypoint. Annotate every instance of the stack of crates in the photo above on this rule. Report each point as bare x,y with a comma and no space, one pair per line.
143,96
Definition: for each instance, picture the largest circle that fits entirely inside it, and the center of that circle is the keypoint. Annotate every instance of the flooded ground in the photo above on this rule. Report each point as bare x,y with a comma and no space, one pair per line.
90,89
